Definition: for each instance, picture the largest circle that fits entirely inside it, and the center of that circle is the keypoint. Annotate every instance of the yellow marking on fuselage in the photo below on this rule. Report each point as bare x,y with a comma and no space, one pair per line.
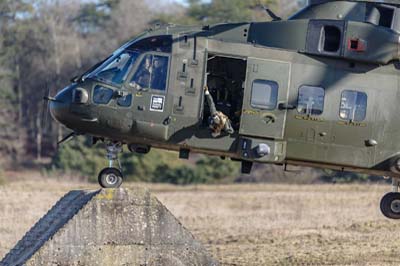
255,112
251,112
309,118
353,124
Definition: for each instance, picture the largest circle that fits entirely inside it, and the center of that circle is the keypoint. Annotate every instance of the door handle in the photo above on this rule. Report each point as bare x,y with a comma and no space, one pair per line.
167,121
286,106
371,143
269,119
90,119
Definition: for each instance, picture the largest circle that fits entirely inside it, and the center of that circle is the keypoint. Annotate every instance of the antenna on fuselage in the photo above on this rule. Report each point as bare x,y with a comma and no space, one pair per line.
271,14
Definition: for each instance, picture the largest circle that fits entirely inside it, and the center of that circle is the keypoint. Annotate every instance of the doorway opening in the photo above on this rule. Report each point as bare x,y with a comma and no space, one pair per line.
226,78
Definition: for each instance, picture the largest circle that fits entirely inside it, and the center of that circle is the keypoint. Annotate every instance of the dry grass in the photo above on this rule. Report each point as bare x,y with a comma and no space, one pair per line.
246,224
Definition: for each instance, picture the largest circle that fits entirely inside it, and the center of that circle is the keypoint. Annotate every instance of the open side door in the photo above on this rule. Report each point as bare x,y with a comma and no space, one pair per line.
265,102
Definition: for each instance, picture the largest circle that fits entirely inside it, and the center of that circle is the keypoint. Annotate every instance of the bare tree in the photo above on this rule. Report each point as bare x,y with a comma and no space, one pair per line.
129,18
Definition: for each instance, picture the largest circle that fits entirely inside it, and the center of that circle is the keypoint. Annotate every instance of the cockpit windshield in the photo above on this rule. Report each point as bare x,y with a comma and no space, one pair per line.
115,69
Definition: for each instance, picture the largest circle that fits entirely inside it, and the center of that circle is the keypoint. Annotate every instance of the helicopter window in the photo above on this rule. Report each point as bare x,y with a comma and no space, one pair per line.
125,101
311,100
116,69
264,94
353,105
151,73
102,95
161,44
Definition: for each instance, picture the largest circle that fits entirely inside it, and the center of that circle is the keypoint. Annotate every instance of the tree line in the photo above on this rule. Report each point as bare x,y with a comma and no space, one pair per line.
43,44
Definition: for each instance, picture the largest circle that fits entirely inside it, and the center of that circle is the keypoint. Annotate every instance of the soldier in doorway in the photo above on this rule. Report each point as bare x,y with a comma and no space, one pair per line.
217,121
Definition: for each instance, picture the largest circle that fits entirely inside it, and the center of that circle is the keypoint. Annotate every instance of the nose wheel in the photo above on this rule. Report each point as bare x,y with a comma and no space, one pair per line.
112,177
390,203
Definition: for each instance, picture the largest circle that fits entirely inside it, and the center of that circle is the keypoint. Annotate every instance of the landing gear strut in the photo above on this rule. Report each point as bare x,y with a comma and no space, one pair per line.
390,203
112,177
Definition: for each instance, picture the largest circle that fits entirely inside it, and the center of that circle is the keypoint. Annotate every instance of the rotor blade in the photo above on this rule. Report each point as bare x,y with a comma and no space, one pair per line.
67,138
271,14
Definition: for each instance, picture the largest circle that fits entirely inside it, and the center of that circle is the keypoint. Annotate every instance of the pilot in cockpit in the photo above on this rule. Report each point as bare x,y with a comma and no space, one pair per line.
159,73
142,77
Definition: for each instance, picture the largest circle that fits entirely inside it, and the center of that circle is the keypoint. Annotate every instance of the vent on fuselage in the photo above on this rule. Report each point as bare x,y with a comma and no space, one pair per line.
325,37
330,39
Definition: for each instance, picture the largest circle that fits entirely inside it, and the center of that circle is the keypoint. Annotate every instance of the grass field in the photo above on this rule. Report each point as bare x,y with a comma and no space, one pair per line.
245,224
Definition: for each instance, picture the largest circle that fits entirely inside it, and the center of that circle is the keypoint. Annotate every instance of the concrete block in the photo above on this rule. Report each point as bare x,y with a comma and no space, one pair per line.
108,227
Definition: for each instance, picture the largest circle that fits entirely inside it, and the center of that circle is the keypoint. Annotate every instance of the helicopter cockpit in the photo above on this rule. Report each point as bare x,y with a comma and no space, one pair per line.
151,71
139,66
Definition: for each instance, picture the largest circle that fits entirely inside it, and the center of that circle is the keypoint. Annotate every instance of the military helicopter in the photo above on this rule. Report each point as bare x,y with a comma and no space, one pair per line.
320,89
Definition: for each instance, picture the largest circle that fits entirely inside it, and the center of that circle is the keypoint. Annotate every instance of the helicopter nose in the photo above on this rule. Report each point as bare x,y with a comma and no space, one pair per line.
60,106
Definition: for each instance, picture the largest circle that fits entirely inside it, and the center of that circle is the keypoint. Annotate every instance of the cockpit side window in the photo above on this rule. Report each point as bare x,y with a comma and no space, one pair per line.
102,95
141,79
159,75
151,73
162,44
116,69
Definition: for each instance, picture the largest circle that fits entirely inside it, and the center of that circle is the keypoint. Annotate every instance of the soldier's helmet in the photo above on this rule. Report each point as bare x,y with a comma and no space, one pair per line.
214,122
